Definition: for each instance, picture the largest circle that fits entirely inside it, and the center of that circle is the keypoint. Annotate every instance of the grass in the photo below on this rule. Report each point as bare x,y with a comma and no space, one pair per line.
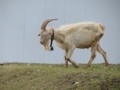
55,77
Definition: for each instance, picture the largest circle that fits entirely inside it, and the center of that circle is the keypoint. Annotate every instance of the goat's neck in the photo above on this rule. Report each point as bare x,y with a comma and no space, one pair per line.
59,36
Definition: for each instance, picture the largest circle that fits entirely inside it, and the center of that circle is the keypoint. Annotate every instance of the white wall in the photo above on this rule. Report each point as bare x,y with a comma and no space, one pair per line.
20,21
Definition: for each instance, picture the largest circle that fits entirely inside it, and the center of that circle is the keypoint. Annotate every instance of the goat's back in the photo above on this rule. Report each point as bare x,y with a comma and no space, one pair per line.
83,26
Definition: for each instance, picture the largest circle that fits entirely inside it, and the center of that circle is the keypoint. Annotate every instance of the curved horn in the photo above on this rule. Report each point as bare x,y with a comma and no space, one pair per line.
43,27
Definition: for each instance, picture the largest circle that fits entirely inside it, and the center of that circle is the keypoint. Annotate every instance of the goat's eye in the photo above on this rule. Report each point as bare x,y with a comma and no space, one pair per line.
38,34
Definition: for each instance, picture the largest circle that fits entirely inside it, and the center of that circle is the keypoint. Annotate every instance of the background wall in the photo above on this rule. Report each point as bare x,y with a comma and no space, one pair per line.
20,21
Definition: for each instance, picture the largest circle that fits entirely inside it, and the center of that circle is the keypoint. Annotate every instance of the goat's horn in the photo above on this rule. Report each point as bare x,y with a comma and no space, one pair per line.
43,27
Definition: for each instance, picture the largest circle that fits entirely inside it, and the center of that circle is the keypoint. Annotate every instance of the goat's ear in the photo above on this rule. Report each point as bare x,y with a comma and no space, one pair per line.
38,34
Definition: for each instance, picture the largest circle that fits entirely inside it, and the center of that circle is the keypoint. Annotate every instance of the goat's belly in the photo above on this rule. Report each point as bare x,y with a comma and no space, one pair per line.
83,45
82,41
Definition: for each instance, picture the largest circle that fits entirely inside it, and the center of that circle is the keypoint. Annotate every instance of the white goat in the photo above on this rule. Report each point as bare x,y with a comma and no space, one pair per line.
68,37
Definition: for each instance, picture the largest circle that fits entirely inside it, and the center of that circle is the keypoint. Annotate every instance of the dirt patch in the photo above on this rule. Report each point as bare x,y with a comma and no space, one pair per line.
113,84
82,81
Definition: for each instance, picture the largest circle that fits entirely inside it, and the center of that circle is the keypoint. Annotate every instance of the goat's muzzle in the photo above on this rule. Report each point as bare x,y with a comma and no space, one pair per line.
41,42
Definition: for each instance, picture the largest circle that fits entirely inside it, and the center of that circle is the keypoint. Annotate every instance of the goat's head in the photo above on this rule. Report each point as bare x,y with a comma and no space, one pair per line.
45,34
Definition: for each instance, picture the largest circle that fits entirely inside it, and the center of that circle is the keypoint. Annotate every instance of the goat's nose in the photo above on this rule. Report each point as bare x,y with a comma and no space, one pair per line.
41,42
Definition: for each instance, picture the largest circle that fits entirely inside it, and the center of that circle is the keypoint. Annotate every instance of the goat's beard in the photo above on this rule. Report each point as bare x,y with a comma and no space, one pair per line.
47,48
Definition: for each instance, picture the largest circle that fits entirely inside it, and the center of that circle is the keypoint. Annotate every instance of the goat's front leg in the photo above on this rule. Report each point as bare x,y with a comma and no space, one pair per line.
66,61
68,57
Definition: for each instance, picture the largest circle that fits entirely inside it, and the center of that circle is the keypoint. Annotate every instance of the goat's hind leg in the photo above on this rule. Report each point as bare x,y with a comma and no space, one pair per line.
93,55
103,53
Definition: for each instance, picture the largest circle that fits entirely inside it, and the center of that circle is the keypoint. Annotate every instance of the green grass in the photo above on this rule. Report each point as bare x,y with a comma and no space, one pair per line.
56,77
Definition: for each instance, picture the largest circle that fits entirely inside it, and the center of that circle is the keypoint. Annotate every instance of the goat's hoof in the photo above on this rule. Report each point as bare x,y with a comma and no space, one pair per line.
65,66
87,66
106,65
77,66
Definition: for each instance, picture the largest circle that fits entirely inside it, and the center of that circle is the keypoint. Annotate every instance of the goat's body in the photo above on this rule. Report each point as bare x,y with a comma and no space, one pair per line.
81,35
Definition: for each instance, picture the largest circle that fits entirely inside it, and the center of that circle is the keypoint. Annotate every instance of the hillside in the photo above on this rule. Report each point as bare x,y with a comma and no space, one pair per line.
56,77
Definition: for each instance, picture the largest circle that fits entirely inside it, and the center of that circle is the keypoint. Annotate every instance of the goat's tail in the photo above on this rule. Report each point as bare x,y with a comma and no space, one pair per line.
103,27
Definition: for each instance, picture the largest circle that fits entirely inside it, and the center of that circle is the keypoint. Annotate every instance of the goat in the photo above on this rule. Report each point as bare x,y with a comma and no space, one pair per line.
68,37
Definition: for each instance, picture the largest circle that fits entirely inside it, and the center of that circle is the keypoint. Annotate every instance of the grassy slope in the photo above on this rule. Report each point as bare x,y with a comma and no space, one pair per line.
55,77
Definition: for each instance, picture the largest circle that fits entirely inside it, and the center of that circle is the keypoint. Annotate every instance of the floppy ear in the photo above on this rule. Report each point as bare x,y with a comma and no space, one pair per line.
38,34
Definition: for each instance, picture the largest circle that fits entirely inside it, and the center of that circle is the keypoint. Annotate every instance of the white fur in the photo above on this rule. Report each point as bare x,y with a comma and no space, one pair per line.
79,35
